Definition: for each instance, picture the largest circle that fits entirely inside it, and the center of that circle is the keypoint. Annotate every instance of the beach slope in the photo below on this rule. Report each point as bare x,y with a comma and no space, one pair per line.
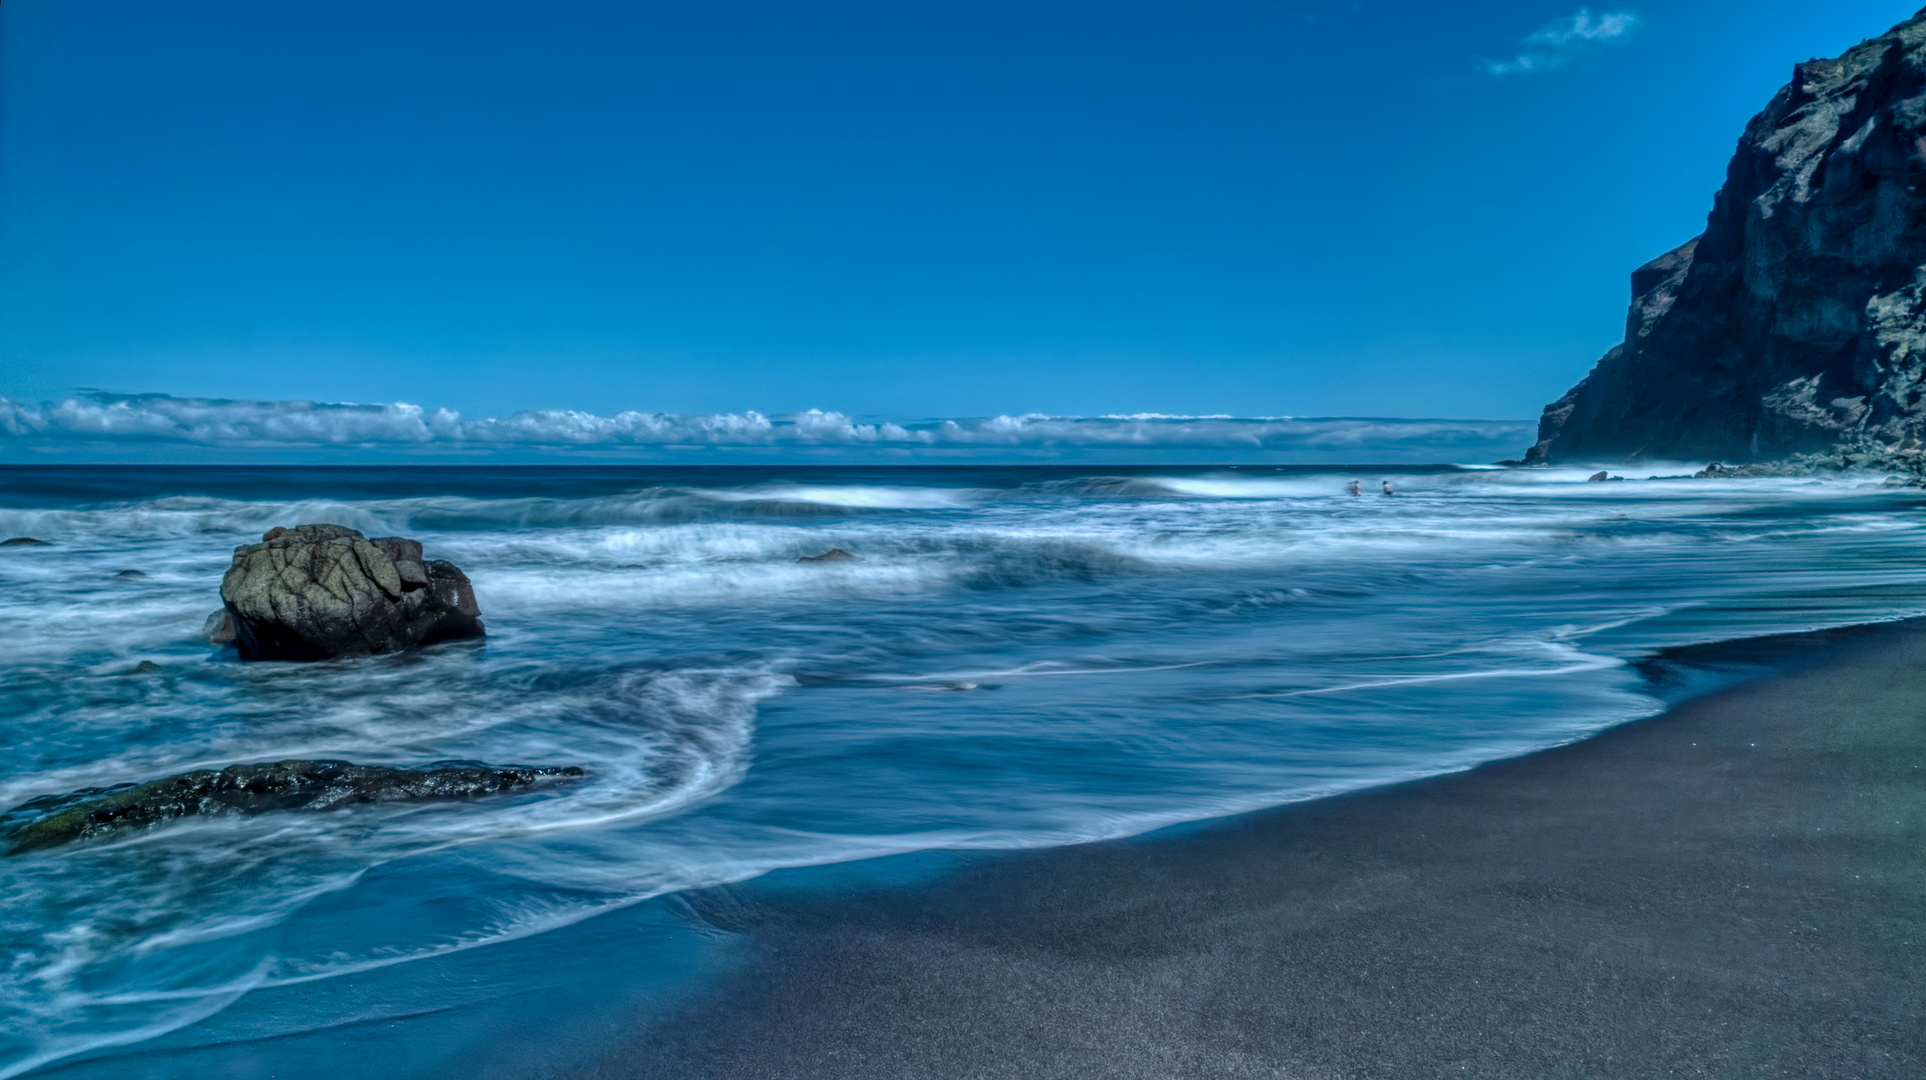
1736,888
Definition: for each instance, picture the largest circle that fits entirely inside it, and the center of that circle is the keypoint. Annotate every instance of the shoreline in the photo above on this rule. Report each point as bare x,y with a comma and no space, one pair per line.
1350,935
1734,887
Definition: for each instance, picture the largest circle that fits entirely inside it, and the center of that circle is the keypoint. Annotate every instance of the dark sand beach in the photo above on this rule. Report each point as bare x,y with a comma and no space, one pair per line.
1736,888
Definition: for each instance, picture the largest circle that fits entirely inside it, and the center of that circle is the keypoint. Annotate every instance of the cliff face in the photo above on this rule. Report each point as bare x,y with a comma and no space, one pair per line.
1797,321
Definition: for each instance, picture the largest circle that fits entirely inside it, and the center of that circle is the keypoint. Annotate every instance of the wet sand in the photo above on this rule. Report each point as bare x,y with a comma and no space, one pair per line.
1736,888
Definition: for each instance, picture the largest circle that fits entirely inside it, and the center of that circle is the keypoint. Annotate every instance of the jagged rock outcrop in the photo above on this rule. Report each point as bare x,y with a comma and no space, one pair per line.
1796,323
253,789
832,555
315,592
218,629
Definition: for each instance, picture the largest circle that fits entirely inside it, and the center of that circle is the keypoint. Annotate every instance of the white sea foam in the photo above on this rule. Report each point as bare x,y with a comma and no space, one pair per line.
852,496
653,741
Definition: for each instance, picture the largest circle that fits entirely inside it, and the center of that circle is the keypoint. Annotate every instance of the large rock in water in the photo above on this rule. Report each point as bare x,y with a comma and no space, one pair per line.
254,789
319,591
1797,321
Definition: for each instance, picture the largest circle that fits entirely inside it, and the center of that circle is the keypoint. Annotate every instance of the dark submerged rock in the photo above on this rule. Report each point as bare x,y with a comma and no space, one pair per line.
1796,322
130,575
832,555
315,592
22,541
252,789
148,667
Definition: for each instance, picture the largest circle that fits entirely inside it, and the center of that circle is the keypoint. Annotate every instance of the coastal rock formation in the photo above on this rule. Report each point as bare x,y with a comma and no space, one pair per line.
1796,323
219,628
832,555
254,789
319,591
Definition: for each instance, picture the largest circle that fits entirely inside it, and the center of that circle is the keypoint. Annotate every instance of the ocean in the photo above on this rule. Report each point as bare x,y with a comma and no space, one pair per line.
1017,656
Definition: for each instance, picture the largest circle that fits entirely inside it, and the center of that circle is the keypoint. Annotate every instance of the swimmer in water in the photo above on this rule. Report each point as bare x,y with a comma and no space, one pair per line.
1387,488
1355,488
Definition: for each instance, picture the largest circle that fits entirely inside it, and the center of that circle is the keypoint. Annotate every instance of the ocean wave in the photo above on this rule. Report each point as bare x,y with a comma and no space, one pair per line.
167,903
188,518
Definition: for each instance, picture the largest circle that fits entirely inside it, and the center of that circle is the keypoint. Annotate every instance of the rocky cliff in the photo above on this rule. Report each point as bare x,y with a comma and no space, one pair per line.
1796,323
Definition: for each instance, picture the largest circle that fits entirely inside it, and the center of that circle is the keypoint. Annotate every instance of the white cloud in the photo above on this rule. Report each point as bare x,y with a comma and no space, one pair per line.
1563,40
115,419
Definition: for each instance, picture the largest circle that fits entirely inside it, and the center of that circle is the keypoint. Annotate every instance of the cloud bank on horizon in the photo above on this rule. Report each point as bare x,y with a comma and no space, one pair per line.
150,423
1564,40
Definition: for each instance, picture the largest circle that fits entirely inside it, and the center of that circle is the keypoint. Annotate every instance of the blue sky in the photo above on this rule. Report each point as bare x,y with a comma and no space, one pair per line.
1310,207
